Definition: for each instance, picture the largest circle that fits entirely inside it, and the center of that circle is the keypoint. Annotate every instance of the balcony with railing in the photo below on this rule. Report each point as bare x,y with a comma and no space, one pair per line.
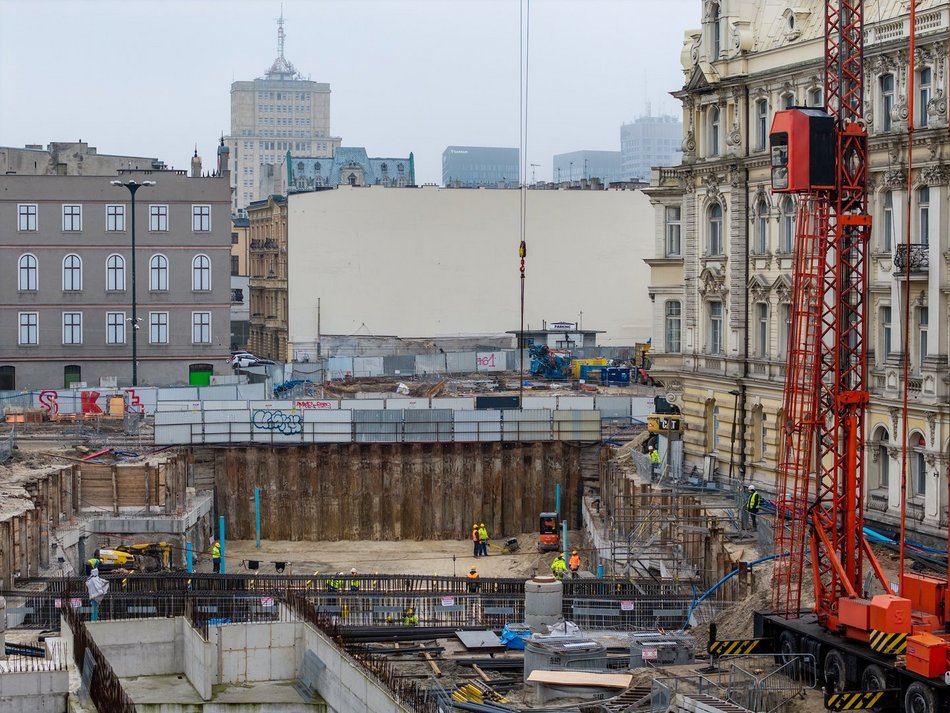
914,255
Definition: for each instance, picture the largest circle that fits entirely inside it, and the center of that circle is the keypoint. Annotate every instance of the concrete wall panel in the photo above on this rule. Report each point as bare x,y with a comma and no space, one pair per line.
367,366
456,403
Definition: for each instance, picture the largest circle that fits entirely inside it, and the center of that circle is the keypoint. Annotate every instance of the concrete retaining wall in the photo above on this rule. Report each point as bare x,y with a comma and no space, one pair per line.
147,647
34,692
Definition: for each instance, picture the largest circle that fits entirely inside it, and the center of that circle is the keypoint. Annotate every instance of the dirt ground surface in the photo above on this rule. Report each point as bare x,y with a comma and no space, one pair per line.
439,557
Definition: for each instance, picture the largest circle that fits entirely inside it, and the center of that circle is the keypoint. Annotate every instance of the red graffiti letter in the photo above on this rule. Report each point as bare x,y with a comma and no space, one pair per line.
88,400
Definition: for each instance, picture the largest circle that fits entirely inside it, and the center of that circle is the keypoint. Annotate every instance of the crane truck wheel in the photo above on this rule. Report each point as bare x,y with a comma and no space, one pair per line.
920,698
873,678
836,672
788,647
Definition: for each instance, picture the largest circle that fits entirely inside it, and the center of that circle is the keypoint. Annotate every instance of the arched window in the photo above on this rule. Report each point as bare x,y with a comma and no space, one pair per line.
158,273
918,464
880,442
715,31
27,273
714,230
714,125
762,330
761,246
351,179
201,273
674,313
115,273
787,226
887,100
72,273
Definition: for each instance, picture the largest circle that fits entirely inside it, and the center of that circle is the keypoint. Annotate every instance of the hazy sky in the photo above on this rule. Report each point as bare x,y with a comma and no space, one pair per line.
152,78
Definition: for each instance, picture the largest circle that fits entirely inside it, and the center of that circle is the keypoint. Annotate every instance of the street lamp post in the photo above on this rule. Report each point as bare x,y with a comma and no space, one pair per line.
133,186
735,413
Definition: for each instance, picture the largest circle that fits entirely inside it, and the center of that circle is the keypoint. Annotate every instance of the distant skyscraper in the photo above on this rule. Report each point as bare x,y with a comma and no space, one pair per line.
577,165
473,166
271,115
650,141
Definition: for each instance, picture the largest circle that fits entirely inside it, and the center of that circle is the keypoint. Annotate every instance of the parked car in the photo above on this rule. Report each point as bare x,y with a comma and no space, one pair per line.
243,359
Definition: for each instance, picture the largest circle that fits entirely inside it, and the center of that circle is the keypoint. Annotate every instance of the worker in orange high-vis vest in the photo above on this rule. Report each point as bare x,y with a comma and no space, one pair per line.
476,548
473,580
574,564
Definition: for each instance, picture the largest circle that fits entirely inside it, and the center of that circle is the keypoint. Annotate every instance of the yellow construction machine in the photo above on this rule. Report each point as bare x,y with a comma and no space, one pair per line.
146,557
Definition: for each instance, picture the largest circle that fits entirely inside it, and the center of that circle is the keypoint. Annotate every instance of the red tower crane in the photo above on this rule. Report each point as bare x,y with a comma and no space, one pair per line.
821,155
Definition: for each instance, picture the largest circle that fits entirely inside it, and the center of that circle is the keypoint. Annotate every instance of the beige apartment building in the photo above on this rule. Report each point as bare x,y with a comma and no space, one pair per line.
268,278
721,274
272,115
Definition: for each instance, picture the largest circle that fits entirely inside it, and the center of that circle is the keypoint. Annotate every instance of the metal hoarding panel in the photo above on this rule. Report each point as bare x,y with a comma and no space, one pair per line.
316,404
427,426
378,426
456,403
284,425
339,367
175,418
431,364
252,392
172,435
399,364
641,407
363,404
576,403
548,402
577,425
178,393
527,425
328,416
328,427
367,366
461,362
407,403
223,405
484,425
613,406
141,398
165,406
273,404
227,392
232,416
490,361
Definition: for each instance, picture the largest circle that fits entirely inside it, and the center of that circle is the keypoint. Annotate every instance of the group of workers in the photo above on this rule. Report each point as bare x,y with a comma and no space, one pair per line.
559,567
339,583
480,540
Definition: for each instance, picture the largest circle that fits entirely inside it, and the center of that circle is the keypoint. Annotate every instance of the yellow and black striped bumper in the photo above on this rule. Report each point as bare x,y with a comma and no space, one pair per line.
730,647
855,700
887,643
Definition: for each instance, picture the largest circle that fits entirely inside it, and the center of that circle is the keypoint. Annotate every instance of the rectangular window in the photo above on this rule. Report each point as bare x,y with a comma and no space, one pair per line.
201,218
715,327
762,327
72,218
235,265
29,329
888,231
885,332
158,327
922,319
887,100
115,327
919,467
923,214
158,218
72,327
762,124
201,327
26,217
673,231
784,328
674,312
115,218
762,231
924,84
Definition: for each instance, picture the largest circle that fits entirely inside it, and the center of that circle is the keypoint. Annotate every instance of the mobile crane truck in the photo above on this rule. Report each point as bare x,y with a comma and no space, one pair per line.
889,651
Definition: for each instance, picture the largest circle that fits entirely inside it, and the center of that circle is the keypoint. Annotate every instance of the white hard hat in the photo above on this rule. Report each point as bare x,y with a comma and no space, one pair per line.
751,487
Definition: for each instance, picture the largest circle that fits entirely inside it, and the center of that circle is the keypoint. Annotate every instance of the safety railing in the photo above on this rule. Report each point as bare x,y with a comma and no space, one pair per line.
664,689
757,682
916,254
104,687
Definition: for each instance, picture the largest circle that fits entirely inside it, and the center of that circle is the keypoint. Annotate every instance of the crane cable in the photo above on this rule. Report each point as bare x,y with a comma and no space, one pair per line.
524,29
905,327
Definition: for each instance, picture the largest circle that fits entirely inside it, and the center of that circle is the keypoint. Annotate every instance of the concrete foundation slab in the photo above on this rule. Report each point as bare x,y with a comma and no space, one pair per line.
174,694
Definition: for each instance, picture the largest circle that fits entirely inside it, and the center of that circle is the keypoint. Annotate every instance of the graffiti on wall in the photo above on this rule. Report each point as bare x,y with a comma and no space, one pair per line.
280,421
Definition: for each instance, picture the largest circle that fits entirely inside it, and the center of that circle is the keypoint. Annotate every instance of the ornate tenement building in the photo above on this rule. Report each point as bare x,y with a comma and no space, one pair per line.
268,278
721,275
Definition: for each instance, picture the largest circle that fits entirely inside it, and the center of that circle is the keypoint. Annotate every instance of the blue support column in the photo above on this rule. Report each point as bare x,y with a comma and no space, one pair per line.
94,613
564,537
557,498
221,540
257,518
600,571
189,557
